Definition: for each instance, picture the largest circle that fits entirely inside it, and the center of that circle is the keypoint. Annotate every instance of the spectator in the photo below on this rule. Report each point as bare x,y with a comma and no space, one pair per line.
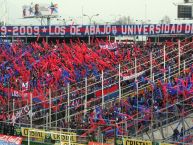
182,132
175,134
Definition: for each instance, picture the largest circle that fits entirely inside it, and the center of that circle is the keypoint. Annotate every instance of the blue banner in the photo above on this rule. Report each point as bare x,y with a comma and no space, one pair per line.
97,30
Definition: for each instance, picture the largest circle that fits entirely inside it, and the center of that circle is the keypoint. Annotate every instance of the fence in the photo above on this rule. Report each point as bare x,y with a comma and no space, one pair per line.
103,94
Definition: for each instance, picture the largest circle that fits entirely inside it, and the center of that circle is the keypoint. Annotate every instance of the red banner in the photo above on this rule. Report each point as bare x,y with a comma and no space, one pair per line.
107,91
97,143
14,140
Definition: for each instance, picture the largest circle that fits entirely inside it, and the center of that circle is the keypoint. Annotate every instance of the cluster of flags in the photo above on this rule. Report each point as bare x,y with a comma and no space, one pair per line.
35,68
164,94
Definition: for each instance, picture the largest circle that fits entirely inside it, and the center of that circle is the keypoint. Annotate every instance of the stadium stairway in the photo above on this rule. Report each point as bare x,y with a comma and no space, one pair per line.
164,133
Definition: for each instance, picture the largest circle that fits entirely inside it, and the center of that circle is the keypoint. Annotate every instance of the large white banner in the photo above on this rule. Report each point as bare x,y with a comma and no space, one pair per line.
125,78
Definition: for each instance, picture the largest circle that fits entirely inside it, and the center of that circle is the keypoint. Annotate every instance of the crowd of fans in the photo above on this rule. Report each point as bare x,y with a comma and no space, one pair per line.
38,68
151,104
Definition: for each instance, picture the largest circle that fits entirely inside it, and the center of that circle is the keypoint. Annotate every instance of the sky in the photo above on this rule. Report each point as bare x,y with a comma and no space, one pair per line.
108,10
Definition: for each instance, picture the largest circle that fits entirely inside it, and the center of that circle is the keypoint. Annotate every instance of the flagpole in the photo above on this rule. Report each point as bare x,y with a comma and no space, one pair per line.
60,137
56,116
50,109
164,62
135,69
183,121
31,110
119,81
89,39
68,104
153,77
47,39
13,112
152,107
85,104
47,120
8,97
102,89
153,104
28,137
137,108
109,38
167,104
169,73
126,126
69,140
179,57
151,69
184,65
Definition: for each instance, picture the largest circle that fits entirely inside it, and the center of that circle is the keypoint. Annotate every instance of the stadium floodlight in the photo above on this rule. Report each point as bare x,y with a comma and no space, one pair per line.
90,20
90,17
64,21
